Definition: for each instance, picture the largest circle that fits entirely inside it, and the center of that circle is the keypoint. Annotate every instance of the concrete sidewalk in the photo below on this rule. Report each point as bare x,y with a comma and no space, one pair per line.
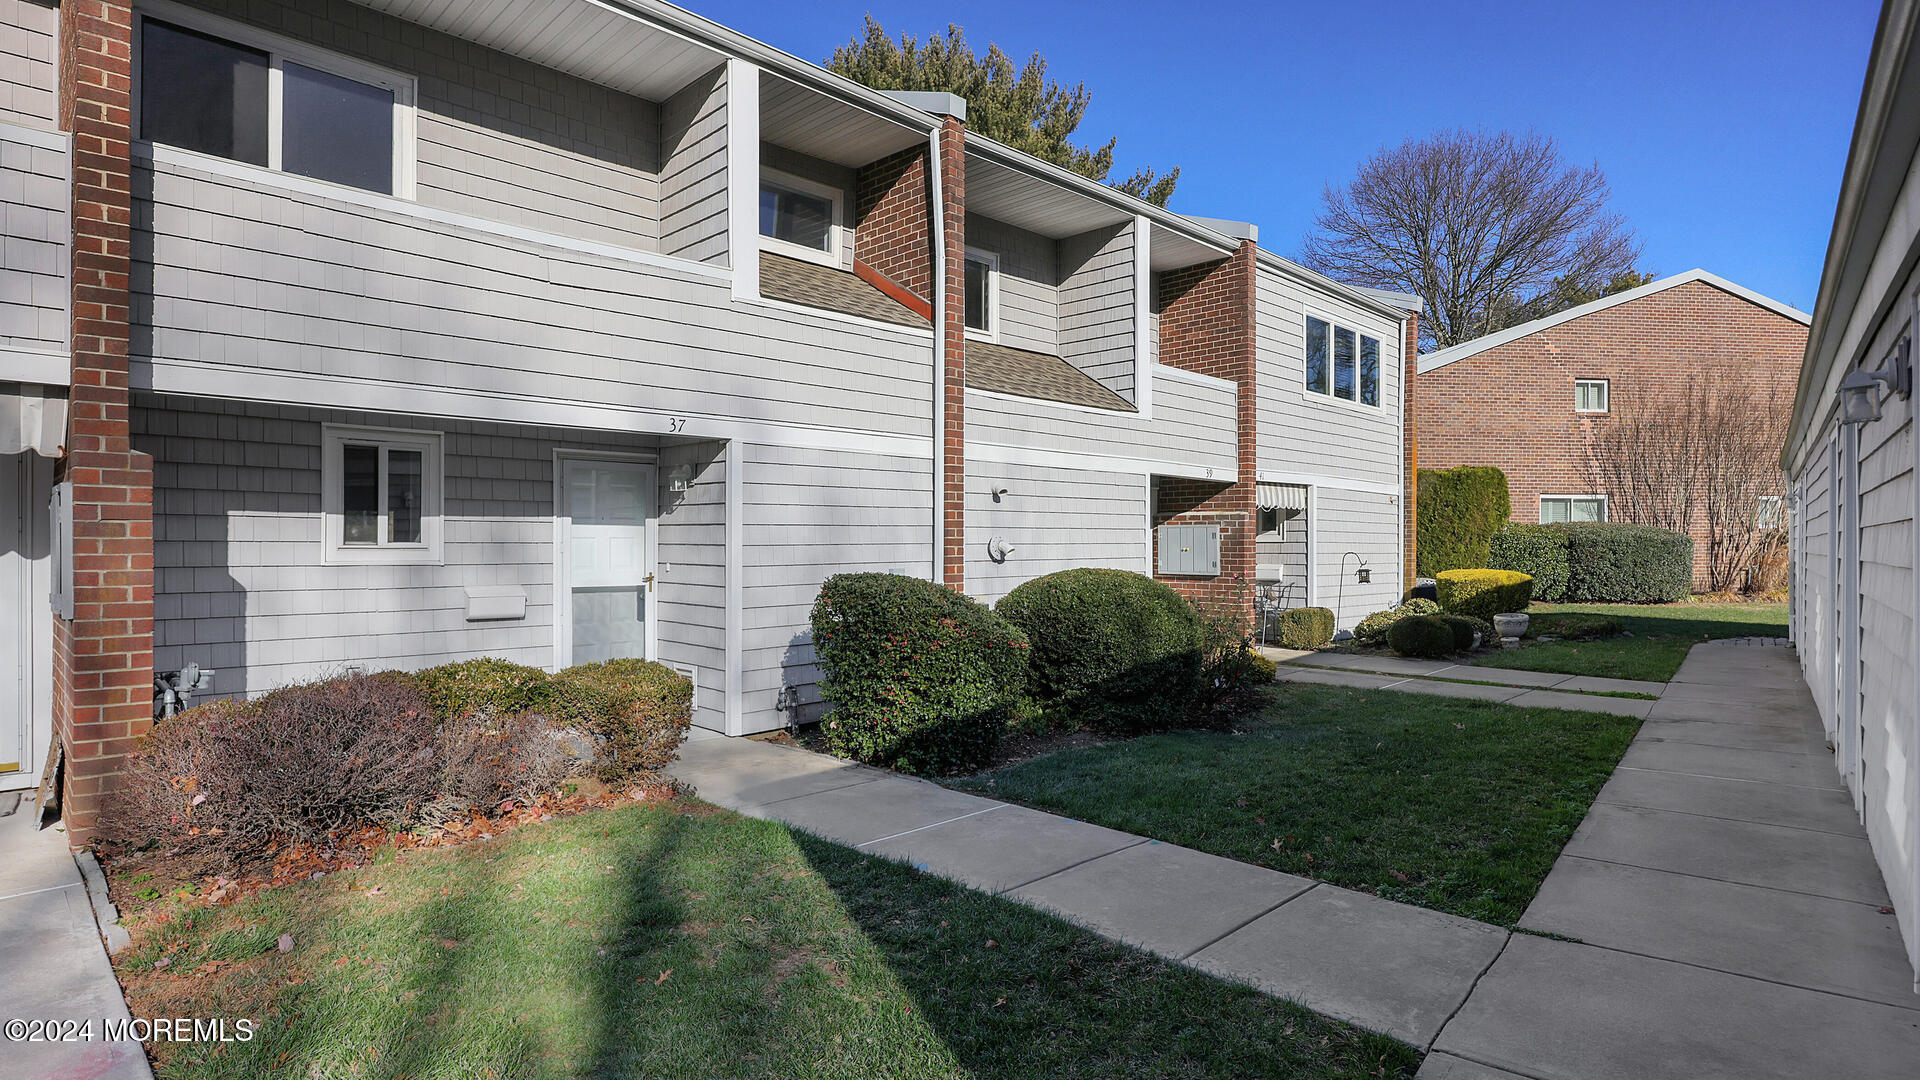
1730,918
1385,966
1537,689
54,964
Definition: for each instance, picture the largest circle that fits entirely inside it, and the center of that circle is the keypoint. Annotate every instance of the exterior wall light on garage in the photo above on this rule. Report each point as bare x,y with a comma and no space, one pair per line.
1860,391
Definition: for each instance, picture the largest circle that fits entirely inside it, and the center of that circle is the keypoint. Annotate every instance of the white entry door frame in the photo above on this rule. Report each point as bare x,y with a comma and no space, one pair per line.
26,619
616,539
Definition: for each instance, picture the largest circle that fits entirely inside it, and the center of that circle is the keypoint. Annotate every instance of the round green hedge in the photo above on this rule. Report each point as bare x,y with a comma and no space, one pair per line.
1539,551
1374,627
1483,593
1304,628
1423,637
919,676
1111,649
1465,627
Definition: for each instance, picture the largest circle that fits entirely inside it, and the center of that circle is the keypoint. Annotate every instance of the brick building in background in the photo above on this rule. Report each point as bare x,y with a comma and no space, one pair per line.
1530,400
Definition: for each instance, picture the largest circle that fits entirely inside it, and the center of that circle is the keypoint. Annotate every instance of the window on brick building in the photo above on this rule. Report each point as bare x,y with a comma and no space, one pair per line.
1590,395
800,218
983,293
231,91
1342,363
1563,508
381,495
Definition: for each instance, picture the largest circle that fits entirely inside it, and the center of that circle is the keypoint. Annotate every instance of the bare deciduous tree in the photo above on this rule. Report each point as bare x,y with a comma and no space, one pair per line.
1487,229
1706,456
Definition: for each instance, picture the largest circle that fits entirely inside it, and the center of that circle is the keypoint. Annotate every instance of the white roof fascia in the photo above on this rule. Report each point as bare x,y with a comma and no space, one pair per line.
1442,357
706,32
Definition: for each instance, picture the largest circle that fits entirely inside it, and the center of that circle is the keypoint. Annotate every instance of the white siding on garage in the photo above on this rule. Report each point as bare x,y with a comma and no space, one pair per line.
1055,519
810,514
29,75
1367,525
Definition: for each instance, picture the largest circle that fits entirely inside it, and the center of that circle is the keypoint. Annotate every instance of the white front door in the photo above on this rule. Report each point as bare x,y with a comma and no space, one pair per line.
607,560
26,725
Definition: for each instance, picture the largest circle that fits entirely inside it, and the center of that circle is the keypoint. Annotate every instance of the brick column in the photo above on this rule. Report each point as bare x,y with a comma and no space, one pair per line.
1207,326
893,228
103,656
1410,507
953,225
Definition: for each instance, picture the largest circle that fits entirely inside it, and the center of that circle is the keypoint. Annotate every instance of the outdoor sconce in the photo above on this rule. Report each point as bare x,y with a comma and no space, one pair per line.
998,549
1860,391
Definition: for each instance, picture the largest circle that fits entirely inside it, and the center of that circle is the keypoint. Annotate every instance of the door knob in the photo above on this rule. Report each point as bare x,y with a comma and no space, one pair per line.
649,581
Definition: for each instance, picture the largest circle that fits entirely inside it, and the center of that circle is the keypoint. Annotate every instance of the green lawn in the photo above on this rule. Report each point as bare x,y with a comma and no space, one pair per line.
1456,805
679,941
1657,639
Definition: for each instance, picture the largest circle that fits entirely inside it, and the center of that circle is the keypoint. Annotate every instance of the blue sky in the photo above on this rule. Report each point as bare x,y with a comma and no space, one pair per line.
1722,126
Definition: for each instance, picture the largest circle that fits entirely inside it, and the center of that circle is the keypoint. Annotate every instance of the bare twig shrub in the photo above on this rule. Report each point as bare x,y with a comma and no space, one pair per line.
1698,461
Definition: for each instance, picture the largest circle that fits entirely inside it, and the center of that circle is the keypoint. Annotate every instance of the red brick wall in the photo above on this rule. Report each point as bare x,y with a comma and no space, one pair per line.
103,656
892,230
1512,406
1207,326
953,225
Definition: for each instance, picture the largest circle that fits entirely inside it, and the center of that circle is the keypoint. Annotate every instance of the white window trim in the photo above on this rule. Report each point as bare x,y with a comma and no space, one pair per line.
280,49
992,262
1312,395
1606,395
771,177
334,550
1544,499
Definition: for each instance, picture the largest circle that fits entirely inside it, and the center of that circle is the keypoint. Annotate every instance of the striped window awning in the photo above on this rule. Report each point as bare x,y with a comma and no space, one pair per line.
1269,496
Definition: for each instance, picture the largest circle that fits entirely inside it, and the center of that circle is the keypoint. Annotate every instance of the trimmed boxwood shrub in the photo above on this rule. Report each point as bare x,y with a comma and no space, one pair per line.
1423,637
1304,627
637,711
1616,563
1539,551
1484,593
1374,627
1112,649
1464,628
1459,512
919,676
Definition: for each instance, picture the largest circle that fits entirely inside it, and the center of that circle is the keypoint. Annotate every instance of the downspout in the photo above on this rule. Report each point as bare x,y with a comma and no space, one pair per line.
938,227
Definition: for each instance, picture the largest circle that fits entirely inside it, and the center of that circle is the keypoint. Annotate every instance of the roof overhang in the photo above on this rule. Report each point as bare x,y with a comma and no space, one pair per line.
642,47
1879,169
1442,357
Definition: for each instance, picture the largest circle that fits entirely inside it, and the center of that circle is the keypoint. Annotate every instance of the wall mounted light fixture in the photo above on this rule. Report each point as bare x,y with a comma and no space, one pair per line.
1860,391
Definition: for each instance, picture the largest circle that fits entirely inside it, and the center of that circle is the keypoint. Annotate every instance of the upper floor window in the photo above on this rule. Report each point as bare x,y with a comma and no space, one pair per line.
983,292
234,92
1590,395
800,218
1342,363
1560,508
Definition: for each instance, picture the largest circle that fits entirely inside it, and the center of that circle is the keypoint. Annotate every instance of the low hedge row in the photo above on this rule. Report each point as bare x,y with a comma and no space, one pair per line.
926,680
1423,637
1373,629
220,786
1304,628
1597,562
1483,593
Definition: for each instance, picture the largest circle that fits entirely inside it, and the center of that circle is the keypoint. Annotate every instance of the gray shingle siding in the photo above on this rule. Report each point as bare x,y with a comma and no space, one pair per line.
1096,306
29,80
499,137
33,240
